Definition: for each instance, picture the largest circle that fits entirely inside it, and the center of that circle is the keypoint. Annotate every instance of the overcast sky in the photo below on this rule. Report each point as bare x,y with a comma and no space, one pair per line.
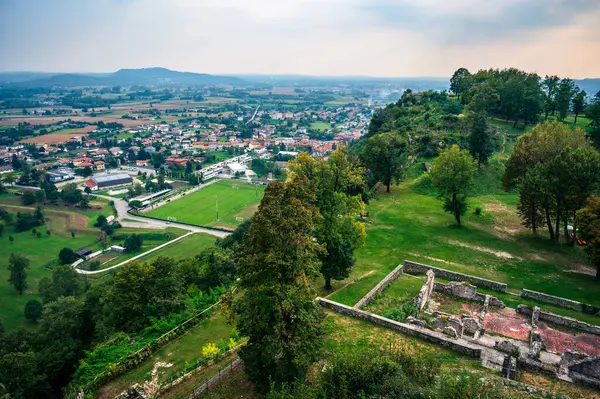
317,37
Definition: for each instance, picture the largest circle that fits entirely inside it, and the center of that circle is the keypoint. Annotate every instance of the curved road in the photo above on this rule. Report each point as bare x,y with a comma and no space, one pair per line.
143,223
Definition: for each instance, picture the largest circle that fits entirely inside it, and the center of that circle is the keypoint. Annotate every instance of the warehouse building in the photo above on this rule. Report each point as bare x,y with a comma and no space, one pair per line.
102,182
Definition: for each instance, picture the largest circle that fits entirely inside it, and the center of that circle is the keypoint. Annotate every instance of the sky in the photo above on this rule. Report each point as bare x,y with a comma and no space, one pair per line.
392,38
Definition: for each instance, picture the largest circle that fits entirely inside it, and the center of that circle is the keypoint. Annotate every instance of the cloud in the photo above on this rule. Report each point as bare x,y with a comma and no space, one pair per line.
474,21
326,37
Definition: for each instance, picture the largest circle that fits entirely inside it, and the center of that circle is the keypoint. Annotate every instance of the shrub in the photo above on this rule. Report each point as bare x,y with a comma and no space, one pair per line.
67,255
33,310
210,351
478,210
400,314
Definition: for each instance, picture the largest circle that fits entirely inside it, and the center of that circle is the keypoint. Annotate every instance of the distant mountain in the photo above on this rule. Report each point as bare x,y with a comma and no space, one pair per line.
123,77
9,77
591,86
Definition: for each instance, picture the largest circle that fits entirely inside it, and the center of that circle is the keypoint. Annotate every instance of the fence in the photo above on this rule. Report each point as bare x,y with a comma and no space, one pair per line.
224,372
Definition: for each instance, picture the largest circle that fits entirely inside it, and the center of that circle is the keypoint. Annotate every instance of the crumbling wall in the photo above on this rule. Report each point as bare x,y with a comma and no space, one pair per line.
435,337
414,267
420,301
467,291
561,302
561,320
581,367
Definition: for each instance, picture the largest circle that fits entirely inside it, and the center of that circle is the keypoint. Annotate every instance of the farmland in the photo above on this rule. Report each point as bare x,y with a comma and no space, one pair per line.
200,208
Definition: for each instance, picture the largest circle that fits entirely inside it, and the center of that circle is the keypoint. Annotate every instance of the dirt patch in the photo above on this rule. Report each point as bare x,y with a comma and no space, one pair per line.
559,341
435,259
509,323
499,254
53,138
582,268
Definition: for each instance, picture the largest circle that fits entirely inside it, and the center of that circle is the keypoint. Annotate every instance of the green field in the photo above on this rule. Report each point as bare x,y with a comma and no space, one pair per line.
320,126
42,254
409,223
185,248
179,353
200,207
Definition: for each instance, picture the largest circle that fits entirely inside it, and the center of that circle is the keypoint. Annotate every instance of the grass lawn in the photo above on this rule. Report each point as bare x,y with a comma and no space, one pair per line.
40,252
199,208
184,350
185,248
409,223
320,126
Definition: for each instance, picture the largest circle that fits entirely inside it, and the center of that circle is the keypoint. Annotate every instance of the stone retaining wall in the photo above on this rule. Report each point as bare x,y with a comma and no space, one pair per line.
379,287
561,302
457,345
413,267
527,363
561,320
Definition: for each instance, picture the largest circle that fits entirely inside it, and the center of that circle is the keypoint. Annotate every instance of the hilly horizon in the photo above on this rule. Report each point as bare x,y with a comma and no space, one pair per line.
154,76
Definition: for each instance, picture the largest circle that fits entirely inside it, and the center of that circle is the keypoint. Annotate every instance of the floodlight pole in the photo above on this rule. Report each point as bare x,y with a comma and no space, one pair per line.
217,206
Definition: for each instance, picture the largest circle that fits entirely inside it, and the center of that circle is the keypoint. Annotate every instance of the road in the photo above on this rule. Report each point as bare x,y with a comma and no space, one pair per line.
146,223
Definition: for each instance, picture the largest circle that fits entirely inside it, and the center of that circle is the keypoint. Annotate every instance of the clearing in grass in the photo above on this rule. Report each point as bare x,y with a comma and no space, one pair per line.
232,200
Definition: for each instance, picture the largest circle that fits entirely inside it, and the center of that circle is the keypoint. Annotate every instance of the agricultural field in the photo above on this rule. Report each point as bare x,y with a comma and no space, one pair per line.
236,199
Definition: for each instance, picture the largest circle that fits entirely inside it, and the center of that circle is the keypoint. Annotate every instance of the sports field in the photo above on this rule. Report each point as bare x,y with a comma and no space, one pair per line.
235,199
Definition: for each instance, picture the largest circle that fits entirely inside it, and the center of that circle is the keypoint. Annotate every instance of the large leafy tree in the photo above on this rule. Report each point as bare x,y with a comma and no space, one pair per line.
592,112
579,103
64,282
452,176
480,140
275,308
588,220
565,92
385,155
568,176
18,265
534,197
460,83
338,231
550,87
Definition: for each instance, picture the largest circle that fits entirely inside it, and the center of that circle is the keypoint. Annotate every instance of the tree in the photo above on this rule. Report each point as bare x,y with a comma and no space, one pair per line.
460,83
87,190
28,198
385,155
579,103
9,178
534,199
338,230
275,308
133,243
452,176
18,265
566,91
11,239
15,162
33,310
19,375
592,112
72,234
100,221
588,220
550,86
67,256
480,141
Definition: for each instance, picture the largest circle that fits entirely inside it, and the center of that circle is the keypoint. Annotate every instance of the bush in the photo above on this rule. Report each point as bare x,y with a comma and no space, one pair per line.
28,198
478,210
210,351
400,314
